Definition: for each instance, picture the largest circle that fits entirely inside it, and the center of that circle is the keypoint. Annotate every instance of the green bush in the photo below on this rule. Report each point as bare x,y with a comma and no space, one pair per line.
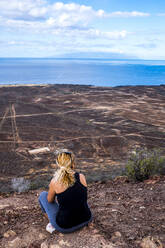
144,163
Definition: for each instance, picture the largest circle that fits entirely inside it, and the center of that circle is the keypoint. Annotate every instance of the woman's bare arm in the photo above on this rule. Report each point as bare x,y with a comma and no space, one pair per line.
51,192
83,180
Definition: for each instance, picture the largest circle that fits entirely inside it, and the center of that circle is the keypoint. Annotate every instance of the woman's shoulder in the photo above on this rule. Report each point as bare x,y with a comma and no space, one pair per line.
52,183
58,186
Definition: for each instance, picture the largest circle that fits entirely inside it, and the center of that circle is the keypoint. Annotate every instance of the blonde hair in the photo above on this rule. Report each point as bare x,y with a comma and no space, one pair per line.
65,173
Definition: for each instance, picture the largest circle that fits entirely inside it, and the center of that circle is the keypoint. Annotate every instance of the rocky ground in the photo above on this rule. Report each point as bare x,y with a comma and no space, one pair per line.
101,126
125,215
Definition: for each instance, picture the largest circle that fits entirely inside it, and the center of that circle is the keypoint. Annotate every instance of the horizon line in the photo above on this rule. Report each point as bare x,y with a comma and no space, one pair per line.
81,58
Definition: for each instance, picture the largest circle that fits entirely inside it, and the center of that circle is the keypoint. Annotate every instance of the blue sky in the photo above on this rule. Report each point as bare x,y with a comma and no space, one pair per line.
48,28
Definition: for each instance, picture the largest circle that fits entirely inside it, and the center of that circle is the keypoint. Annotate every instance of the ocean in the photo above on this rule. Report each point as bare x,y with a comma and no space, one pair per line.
98,72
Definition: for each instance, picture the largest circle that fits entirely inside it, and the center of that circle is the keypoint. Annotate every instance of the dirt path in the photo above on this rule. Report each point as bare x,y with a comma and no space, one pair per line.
28,115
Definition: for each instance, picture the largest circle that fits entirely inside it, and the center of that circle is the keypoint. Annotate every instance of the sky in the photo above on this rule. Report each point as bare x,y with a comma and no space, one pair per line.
49,28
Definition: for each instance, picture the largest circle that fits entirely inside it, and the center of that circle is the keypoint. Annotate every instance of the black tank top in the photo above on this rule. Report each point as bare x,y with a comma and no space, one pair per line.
73,208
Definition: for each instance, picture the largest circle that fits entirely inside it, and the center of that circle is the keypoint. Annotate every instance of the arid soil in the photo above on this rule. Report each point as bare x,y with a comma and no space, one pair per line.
125,215
101,126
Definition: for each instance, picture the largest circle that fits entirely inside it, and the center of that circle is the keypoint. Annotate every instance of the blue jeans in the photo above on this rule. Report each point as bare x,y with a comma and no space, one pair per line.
51,209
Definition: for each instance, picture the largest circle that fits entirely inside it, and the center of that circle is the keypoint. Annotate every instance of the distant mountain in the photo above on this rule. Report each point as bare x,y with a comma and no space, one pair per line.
97,55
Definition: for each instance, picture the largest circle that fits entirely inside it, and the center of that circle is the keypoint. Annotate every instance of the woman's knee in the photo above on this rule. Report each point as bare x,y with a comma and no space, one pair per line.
43,196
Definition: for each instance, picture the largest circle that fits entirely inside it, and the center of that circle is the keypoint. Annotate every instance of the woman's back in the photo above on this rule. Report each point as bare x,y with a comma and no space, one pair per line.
73,208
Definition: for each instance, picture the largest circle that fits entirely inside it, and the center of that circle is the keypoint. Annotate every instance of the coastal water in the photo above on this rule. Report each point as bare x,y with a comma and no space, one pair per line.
98,72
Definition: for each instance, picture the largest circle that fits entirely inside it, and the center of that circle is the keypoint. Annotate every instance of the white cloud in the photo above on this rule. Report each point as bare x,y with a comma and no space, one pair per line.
95,33
20,8
72,14
62,30
63,14
127,14
38,12
90,34
65,25
69,21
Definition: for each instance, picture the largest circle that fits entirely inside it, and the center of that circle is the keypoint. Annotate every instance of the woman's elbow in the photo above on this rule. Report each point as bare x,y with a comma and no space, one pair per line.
50,199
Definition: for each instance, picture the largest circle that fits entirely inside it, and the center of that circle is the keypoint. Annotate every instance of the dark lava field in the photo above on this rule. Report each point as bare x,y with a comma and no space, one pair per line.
101,125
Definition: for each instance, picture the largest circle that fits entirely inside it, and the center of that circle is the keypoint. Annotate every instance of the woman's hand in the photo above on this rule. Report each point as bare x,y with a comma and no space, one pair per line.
51,192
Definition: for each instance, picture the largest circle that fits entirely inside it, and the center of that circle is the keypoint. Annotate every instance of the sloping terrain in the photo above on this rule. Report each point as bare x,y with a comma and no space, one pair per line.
100,125
125,215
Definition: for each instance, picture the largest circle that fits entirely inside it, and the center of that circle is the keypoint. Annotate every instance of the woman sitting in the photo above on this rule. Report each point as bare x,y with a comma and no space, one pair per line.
65,204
